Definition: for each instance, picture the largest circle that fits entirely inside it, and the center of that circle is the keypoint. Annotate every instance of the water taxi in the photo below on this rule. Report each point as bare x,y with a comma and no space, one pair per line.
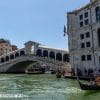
35,71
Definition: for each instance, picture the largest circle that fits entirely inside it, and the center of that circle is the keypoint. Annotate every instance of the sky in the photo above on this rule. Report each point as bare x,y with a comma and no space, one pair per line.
36,20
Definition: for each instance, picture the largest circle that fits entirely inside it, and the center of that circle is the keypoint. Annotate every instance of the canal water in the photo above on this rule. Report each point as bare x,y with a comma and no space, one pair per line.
42,87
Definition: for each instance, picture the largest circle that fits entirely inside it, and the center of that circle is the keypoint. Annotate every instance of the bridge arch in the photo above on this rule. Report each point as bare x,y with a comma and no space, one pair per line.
45,53
19,67
2,60
39,53
16,54
52,55
7,58
11,56
59,56
66,57
22,53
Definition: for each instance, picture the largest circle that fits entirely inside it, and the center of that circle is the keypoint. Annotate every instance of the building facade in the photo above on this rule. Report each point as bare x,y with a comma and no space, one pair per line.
6,47
83,27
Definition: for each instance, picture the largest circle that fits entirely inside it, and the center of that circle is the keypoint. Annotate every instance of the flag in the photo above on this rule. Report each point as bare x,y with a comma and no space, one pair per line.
91,1
65,30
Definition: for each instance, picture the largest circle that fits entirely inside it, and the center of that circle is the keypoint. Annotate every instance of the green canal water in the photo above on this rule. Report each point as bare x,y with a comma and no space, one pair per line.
42,87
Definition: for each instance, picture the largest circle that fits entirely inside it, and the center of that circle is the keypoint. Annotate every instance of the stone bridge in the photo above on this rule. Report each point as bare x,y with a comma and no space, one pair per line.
18,61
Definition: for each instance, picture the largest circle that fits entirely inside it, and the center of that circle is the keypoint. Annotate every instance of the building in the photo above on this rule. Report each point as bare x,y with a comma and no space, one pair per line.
83,28
6,47
14,47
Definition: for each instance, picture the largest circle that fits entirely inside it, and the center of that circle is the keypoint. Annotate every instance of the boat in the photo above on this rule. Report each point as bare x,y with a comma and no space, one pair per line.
53,72
92,85
35,71
58,74
89,86
75,77
48,72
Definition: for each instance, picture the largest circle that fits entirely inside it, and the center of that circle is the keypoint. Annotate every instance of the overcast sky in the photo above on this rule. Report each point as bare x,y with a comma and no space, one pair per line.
36,20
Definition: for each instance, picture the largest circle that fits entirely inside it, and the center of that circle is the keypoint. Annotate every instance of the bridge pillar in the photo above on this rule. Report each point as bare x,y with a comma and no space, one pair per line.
35,48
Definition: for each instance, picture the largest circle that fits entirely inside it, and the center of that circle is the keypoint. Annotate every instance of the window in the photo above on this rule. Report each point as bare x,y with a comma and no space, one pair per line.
82,45
10,50
83,58
98,34
86,14
81,36
86,22
88,44
87,35
81,17
81,24
88,57
97,10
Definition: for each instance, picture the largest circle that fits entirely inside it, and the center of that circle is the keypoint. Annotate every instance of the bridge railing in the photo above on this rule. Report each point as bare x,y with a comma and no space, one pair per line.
13,52
32,56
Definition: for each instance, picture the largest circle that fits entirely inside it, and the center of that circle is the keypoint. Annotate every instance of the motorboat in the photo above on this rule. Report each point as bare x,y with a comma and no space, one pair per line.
35,71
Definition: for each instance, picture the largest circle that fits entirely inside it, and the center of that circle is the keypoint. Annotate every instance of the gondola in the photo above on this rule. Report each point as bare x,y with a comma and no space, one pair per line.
58,75
88,86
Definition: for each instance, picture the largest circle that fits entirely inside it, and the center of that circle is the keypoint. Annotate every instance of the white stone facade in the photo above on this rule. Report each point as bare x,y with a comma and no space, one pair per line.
83,27
46,52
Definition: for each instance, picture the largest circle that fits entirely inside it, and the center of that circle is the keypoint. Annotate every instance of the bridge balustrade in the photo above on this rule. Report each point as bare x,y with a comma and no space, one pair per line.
12,55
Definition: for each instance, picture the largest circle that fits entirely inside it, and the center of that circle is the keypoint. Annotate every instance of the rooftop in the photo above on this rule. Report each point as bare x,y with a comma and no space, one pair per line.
43,46
84,7
4,41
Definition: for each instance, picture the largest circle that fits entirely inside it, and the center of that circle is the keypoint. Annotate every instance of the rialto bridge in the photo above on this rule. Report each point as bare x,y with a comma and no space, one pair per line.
20,60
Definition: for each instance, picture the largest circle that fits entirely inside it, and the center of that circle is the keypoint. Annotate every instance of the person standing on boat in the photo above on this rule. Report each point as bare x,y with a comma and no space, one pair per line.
58,73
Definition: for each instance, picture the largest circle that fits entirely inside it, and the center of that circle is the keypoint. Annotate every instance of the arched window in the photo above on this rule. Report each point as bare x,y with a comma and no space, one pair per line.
11,56
39,53
22,53
59,56
16,54
97,10
66,58
2,60
7,58
98,36
45,53
52,55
